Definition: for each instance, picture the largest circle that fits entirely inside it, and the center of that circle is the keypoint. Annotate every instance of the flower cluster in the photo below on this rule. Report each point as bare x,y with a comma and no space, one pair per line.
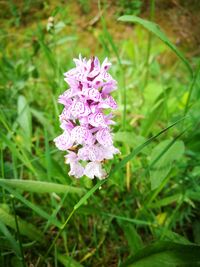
86,134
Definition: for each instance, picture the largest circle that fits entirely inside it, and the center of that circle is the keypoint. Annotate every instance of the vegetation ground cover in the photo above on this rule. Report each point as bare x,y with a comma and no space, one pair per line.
148,208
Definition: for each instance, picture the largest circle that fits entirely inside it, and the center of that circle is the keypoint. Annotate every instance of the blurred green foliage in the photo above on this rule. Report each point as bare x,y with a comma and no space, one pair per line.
153,191
132,7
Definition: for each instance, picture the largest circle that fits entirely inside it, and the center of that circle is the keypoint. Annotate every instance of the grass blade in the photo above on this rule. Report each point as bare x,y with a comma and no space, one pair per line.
18,233
10,238
155,29
40,187
25,228
32,206
140,148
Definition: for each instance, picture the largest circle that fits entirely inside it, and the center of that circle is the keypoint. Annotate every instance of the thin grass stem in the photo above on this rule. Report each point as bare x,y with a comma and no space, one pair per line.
18,232
151,17
194,80
58,234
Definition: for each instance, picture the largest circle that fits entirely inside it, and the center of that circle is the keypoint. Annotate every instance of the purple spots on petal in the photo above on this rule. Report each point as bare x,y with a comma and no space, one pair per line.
86,128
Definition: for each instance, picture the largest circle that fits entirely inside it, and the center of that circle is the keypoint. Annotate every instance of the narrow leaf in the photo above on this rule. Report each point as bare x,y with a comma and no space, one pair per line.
68,261
13,243
25,228
133,238
41,187
166,254
140,148
32,206
167,152
155,29
24,117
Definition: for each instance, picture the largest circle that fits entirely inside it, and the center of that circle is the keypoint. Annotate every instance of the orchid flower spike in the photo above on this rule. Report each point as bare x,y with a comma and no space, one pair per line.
87,136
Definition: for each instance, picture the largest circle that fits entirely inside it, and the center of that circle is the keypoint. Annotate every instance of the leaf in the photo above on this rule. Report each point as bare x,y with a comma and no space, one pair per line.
170,236
166,201
32,206
125,137
64,40
88,194
192,85
25,228
24,117
196,231
108,36
168,152
68,261
129,138
155,112
155,29
16,262
13,243
166,254
16,152
41,187
127,219
133,238
196,171
47,51
138,149
194,195
42,120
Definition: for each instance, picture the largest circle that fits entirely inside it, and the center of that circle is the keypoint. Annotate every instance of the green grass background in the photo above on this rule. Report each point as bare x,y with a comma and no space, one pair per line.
152,194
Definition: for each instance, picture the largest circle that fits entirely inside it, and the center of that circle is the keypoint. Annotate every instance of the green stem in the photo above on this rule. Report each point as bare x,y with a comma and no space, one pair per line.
78,204
121,68
151,17
191,90
59,233
2,175
18,232
174,212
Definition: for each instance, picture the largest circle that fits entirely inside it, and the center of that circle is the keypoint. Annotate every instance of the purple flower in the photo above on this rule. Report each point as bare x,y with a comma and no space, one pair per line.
63,141
87,137
95,169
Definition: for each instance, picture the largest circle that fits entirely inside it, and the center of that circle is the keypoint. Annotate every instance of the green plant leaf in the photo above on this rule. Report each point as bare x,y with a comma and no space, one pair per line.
40,117
25,228
196,231
166,201
68,261
155,112
128,138
155,29
169,152
32,206
24,117
138,149
133,238
166,254
13,243
170,236
41,187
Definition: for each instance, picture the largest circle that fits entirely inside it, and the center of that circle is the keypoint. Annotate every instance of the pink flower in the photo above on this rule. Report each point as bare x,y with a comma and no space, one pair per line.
64,141
86,127
93,169
81,135
79,109
104,137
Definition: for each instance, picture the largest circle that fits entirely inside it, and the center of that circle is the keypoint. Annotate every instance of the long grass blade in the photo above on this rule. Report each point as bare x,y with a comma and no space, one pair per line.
41,187
155,29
